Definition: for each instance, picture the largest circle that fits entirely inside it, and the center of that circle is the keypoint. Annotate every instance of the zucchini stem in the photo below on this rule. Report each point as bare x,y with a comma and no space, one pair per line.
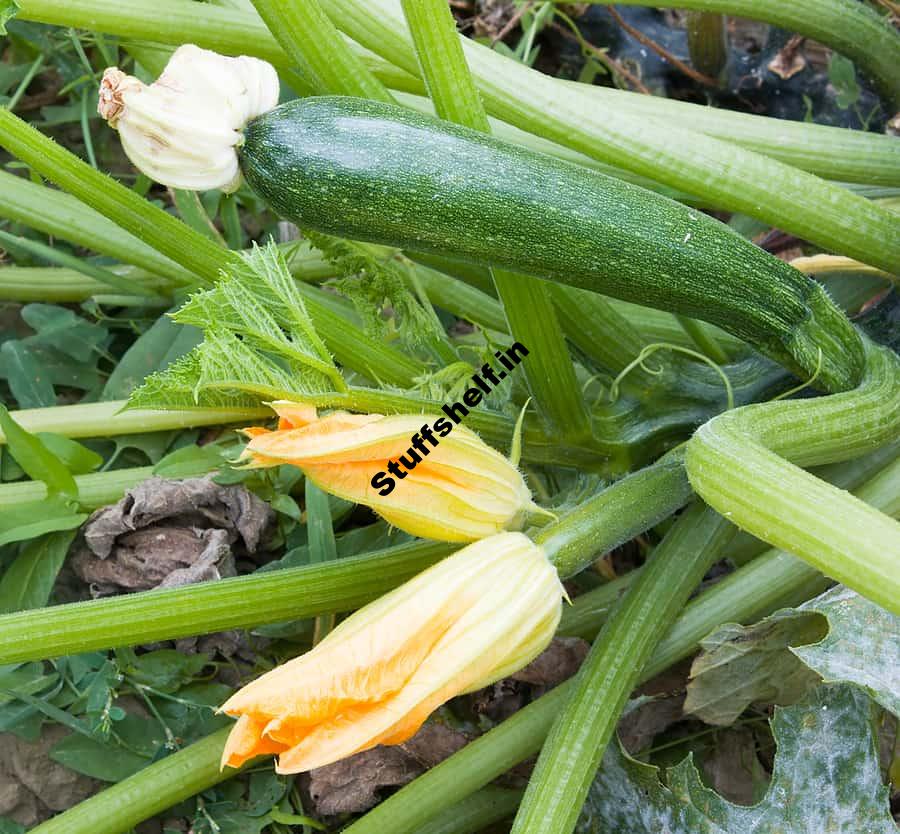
740,463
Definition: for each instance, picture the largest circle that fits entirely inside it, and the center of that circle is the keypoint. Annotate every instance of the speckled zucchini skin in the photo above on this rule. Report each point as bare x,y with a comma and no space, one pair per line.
371,171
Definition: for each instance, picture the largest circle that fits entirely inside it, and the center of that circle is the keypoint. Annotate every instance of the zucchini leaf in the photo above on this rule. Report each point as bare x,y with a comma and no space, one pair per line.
38,461
379,292
839,636
259,343
826,775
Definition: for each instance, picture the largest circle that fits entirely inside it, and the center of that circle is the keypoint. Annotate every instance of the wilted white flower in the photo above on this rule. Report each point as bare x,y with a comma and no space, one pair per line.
183,130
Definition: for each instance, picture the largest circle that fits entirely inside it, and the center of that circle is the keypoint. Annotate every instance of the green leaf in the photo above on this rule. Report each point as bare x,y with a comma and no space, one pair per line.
63,330
28,381
840,637
28,581
155,350
76,457
106,761
826,778
36,459
842,75
377,289
8,10
35,518
189,461
165,670
259,343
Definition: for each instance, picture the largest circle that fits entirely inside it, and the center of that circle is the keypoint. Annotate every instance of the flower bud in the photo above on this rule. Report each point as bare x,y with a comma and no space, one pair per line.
183,130
450,484
466,622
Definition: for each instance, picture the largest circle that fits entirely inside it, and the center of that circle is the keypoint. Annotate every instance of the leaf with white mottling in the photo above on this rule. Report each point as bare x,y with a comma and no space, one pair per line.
862,645
743,664
839,636
826,780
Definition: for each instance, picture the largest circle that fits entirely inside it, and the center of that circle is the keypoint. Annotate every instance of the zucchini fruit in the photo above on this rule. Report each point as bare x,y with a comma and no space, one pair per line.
378,172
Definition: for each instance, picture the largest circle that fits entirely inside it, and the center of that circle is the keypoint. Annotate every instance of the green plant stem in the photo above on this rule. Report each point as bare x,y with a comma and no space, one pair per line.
527,303
707,44
107,419
132,212
111,281
61,215
616,515
579,735
847,475
549,371
740,463
443,65
42,283
475,812
845,155
702,337
149,792
308,36
596,328
851,28
730,177
850,157
240,602
96,489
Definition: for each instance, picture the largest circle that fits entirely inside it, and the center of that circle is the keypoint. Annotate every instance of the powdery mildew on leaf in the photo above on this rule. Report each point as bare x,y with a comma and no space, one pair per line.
826,780
784,655
742,664
862,645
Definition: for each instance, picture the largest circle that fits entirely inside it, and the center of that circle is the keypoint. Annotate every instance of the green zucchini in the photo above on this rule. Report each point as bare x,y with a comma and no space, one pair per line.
377,172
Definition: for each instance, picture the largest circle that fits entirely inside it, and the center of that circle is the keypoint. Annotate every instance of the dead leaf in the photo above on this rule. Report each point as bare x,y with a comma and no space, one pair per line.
732,767
789,60
163,534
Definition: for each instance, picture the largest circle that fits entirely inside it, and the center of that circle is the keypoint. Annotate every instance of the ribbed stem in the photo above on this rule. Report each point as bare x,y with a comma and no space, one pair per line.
151,791
60,215
239,602
308,36
579,735
548,368
107,419
59,284
443,64
739,463
617,514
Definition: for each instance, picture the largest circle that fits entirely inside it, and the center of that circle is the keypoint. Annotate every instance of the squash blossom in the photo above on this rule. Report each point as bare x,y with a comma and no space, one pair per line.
454,488
473,618
183,130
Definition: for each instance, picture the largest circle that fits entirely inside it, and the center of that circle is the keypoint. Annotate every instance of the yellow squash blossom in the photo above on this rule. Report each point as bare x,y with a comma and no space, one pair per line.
450,485
471,619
